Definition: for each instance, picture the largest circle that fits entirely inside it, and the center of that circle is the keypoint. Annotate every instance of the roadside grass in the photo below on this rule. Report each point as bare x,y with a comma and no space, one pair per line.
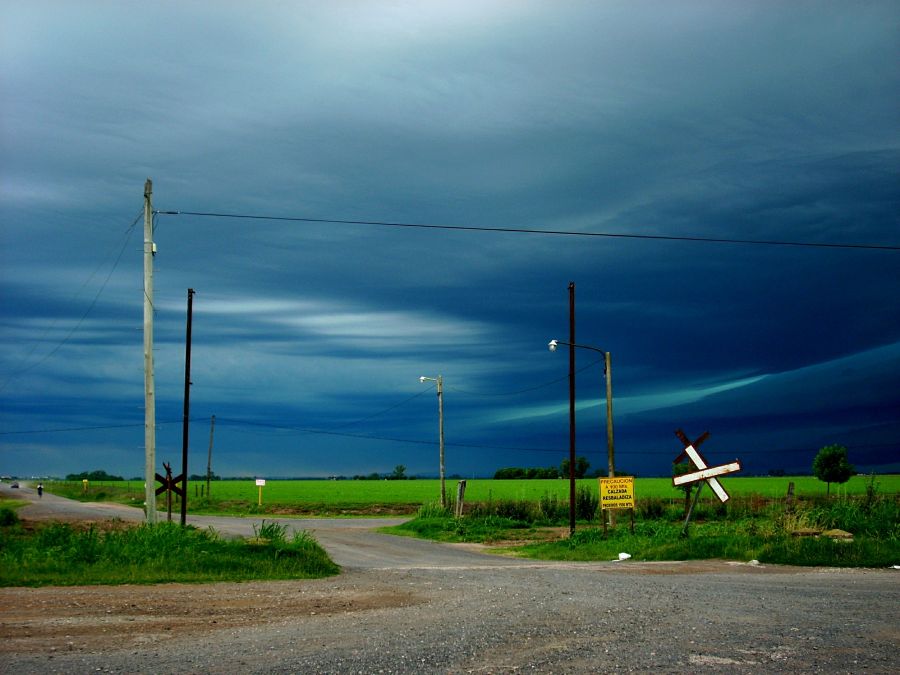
746,528
725,541
62,554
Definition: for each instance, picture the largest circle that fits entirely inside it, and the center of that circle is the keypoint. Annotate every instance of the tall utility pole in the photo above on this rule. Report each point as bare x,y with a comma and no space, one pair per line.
440,395
571,408
187,406
610,446
212,426
149,394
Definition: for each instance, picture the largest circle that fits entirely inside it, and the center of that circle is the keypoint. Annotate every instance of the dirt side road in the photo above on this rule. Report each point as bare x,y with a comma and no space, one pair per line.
406,606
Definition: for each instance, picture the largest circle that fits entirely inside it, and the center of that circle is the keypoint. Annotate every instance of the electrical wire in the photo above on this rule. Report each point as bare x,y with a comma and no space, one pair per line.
620,453
84,316
386,410
522,391
522,230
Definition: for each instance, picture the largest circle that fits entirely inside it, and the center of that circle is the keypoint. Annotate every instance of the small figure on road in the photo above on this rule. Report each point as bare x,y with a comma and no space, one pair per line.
40,490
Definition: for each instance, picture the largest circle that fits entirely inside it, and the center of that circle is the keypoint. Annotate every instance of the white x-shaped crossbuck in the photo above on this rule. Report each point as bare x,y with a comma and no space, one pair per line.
704,472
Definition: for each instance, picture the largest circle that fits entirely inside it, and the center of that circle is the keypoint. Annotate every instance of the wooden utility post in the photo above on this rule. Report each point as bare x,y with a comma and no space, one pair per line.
149,394
571,408
187,405
212,426
610,447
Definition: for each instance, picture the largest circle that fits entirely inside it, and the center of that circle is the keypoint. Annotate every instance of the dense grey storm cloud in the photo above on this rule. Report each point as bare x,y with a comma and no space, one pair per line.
742,121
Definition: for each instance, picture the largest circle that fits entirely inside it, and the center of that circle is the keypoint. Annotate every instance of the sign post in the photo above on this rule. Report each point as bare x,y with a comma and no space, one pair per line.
617,493
260,483
169,485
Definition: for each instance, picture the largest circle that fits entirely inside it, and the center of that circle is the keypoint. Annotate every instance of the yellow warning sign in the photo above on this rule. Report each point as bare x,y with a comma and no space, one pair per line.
617,493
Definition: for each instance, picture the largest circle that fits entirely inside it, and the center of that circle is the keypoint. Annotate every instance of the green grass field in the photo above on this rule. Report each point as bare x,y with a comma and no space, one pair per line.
353,493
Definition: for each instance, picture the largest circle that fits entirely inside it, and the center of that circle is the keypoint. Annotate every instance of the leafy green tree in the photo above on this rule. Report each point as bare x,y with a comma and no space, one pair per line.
581,467
399,473
831,466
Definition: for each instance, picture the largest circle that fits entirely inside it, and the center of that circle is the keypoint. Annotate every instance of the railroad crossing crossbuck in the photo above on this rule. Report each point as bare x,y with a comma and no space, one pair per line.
704,472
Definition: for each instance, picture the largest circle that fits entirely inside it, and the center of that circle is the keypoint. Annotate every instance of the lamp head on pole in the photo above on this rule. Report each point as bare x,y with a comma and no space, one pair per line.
553,345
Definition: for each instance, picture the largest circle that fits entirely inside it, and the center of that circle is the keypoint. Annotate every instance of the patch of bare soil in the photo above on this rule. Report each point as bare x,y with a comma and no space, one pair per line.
55,618
108,617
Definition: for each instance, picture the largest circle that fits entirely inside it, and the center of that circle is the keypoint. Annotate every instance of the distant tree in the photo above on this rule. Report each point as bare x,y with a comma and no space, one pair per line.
96,475
831,465
399,473
549,472
533,473
200,477
581,467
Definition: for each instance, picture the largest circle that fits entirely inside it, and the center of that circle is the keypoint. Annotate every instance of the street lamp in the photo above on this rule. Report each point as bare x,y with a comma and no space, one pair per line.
440,394
607,371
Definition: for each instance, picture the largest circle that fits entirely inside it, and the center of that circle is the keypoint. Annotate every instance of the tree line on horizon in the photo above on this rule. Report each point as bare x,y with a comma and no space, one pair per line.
537,473
831,465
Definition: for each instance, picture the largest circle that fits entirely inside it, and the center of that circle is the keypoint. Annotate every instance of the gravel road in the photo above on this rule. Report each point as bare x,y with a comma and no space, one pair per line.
410,606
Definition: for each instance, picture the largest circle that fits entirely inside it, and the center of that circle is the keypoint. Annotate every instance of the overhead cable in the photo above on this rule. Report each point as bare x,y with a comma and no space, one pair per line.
522,230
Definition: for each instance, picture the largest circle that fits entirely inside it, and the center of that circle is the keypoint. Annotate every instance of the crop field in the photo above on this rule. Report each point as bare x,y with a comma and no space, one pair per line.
353,493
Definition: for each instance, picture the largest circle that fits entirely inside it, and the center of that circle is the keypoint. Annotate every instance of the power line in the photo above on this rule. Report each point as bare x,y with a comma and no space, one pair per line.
386,410
83,316
236,422
526,390
521,230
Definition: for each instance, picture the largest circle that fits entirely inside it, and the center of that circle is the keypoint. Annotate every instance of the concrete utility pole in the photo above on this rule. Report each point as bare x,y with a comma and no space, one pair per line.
440,395
149,394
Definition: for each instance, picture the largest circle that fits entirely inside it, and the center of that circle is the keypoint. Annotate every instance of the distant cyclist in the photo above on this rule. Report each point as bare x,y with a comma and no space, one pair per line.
40,490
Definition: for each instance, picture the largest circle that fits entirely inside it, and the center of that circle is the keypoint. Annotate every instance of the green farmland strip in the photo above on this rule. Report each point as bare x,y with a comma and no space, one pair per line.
353,493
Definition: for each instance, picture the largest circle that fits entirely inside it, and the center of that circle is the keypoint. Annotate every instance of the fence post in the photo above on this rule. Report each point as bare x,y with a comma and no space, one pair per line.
460,497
